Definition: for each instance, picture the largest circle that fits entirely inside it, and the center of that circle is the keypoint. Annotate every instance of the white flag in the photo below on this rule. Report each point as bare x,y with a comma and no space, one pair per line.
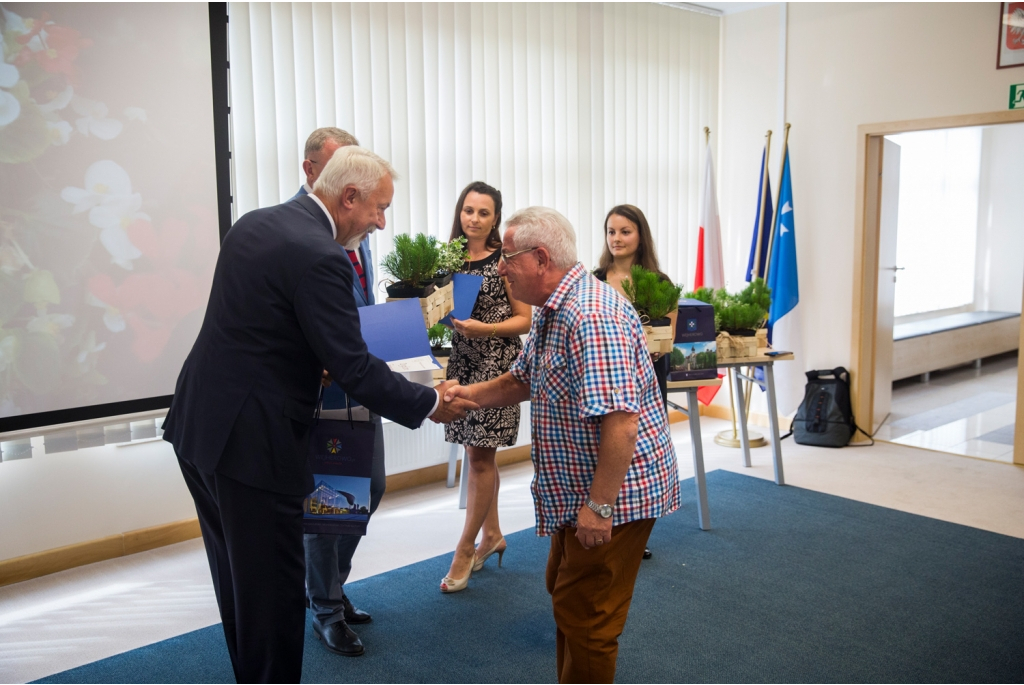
710,270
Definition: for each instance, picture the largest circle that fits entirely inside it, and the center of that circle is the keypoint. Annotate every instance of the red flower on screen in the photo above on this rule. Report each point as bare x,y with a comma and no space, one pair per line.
172,283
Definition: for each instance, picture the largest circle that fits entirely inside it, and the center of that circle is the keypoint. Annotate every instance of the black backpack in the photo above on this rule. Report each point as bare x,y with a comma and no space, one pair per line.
825,417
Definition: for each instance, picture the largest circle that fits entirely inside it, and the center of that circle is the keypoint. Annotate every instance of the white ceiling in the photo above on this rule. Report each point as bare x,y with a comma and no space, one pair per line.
724,7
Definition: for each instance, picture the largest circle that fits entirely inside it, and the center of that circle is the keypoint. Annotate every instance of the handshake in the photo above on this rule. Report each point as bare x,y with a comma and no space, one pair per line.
450,406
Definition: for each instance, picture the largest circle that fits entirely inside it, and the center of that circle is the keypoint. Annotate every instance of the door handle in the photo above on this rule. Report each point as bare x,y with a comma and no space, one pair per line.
895,268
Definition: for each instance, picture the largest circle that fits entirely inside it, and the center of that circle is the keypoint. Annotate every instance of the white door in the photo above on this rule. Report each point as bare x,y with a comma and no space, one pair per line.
888,214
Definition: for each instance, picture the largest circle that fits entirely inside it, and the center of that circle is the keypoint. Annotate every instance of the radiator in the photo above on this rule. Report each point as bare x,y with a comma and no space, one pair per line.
407,450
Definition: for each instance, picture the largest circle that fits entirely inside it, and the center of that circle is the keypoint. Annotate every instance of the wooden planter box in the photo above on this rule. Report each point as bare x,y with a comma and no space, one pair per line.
659,339
436,305
741,346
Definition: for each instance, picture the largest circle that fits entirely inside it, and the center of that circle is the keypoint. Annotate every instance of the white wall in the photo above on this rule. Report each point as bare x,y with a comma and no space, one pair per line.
52,500
1000,257
847,64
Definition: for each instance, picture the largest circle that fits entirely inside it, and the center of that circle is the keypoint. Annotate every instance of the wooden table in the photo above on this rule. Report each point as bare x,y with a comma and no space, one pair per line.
773,410
692,411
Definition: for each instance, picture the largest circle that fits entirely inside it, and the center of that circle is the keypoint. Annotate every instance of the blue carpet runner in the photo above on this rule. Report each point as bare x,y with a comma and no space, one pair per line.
790,585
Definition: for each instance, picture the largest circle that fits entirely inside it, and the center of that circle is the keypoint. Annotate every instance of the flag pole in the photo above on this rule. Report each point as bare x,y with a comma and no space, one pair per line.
760,209
778,194
707,136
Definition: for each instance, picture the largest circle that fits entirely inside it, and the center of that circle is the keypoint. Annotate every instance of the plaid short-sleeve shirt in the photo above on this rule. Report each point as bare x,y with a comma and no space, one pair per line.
586,356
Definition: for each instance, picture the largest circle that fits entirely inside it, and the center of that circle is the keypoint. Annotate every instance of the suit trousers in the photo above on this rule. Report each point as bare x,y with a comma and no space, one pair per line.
329,557
591,590
253,542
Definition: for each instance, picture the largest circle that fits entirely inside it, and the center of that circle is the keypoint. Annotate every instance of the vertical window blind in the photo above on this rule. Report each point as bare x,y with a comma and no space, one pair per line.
574,106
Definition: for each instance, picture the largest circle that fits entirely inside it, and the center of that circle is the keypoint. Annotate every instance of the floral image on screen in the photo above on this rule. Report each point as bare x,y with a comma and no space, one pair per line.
108,233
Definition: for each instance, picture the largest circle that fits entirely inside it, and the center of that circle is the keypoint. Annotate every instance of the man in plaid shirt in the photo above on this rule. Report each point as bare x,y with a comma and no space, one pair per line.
604,464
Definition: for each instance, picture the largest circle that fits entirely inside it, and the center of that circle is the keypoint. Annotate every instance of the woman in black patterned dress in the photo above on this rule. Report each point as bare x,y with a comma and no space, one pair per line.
483,347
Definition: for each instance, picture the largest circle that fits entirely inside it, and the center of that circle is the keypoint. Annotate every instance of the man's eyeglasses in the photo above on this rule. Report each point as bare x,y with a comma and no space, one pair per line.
505,256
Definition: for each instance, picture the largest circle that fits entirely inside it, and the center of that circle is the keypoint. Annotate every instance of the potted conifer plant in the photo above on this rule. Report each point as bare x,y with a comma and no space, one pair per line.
440,337
412,263
739,318
653,298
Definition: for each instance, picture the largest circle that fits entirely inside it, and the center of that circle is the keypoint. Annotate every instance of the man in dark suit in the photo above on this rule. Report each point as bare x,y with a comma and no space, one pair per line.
281,311
329,557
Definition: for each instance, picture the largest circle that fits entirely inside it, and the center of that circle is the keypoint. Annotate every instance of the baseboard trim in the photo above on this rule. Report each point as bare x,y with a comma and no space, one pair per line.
718,412
111,547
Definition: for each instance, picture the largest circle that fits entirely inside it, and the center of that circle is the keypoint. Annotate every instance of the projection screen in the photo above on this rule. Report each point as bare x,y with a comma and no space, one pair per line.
108,205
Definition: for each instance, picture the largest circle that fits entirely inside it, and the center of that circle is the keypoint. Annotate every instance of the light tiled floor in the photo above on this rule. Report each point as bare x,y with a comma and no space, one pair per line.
965,411
57,622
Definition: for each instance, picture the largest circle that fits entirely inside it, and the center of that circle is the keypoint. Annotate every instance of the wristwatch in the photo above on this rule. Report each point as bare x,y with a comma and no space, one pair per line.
602,510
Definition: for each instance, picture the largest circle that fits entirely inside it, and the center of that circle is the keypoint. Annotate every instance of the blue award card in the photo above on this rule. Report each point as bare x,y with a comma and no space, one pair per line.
465,288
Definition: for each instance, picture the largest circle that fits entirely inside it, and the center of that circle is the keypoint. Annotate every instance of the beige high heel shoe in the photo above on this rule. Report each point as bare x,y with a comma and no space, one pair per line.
449,584
501,552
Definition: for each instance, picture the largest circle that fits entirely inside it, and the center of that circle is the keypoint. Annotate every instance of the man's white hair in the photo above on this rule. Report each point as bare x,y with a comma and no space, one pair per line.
353,166
544,227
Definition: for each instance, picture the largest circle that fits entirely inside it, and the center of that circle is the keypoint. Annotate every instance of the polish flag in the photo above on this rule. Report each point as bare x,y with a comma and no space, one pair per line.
710,271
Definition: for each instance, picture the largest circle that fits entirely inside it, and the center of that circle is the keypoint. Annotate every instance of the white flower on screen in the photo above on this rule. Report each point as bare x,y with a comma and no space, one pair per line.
58,101
94,120
10,108
134,114
88,348
15,24
8,349
112,317
119,245
8,72
12,259
60,132
106,183
49,323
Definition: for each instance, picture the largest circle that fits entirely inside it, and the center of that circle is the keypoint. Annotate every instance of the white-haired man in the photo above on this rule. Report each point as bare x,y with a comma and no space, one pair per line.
603,458
280,312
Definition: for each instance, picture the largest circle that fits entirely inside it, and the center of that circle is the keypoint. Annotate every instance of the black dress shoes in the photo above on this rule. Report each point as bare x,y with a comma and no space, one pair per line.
339,638
353,615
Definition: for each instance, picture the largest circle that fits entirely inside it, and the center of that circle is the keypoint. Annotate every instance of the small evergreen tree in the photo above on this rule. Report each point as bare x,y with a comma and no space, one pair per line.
650,294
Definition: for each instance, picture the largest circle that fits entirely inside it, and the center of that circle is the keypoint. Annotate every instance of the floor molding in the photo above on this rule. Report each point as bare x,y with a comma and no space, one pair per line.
63,558
113,546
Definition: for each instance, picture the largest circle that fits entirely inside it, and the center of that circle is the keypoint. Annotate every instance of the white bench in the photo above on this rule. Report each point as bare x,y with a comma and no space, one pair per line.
925,346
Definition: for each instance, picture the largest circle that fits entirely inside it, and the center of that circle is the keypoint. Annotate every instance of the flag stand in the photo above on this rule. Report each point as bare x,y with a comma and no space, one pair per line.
728,438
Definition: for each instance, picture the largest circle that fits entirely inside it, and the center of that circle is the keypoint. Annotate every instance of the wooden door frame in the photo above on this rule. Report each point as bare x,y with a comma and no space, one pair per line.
865,266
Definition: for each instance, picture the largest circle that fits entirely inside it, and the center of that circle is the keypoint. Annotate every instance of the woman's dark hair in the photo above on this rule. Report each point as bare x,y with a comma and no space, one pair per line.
494,239
645,255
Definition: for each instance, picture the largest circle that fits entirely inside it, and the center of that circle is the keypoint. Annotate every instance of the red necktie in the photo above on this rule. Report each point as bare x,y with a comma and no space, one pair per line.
359,271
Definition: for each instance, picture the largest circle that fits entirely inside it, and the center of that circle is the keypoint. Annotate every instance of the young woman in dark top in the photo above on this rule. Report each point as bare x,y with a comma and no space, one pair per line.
627,242
483,347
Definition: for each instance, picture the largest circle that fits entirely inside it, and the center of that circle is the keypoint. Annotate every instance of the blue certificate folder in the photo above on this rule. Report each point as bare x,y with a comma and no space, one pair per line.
393,331
465,289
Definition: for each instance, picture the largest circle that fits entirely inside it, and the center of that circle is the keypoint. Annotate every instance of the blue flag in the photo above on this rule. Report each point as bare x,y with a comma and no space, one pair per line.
764,189
782,273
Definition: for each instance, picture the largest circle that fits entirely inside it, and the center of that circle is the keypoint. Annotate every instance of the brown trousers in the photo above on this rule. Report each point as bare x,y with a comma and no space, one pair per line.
590,592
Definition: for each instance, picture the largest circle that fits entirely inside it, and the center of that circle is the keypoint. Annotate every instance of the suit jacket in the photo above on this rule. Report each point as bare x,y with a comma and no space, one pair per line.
281,310
362,299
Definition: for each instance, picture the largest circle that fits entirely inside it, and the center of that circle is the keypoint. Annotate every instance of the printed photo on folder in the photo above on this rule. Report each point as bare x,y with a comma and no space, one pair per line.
341,458
394,332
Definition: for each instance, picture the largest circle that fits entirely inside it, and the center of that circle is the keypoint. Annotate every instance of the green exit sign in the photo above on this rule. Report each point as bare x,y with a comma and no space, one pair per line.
1017,96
